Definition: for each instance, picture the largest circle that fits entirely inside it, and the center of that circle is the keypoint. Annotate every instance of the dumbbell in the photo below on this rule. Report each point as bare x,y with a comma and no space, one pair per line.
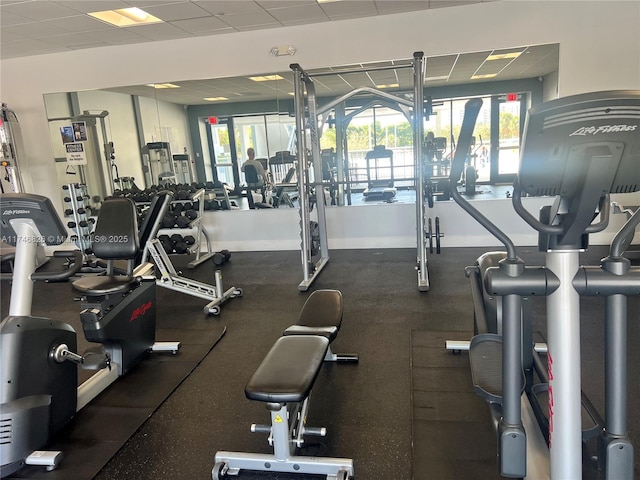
189,239
182,222
221,257
166,243
177,208
179,245
169,220
191,214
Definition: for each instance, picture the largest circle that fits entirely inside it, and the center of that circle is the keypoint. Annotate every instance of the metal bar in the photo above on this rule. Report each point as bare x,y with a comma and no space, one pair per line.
563,364
303,200
375,91
25,261
616,365
511,359
418,137
316,157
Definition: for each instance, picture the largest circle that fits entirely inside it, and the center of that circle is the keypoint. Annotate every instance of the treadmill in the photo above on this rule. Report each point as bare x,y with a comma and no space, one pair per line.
380,175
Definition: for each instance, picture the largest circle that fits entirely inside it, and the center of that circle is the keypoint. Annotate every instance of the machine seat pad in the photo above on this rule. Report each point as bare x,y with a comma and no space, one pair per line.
320,315
104,284
289,370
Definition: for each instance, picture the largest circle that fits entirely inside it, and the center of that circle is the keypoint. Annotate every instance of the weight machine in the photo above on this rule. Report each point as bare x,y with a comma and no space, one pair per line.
307,110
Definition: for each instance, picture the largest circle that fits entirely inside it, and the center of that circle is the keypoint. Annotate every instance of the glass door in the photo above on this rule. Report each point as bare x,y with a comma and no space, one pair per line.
507,153
223,153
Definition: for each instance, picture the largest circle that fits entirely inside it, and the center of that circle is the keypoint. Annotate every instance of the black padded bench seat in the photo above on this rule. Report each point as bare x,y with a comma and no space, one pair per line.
289,370
320,315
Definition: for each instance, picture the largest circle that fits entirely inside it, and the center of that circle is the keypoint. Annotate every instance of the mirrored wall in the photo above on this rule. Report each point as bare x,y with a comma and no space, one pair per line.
198,131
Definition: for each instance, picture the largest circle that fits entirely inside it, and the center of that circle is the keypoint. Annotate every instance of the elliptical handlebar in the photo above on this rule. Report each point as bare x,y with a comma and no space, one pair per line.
471,111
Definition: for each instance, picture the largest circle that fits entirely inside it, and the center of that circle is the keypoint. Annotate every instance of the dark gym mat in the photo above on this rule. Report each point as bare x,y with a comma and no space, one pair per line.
367,408
449,420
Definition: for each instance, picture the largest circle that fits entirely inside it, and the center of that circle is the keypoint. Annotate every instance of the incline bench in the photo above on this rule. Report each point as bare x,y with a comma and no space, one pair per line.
284,381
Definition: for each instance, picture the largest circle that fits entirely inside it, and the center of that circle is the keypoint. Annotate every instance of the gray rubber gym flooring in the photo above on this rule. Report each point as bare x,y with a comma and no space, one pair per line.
407,410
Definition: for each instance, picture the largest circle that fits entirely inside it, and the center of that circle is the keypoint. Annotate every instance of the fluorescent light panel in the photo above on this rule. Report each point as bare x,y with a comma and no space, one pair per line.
215,99
126,17
388,85
162,85
486,75
504,56
433,79
266,78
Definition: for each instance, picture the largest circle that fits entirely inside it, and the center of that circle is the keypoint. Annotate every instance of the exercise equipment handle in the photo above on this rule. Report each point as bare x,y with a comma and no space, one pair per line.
623,238
64,274
471,111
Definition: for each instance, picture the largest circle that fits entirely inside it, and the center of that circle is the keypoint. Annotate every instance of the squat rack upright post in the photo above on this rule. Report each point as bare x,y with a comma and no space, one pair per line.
301,83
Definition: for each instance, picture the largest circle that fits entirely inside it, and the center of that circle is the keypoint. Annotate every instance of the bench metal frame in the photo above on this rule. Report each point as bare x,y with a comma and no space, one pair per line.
285,435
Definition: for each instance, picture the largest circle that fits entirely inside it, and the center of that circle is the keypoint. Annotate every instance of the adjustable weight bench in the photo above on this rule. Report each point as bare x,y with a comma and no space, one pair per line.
284,381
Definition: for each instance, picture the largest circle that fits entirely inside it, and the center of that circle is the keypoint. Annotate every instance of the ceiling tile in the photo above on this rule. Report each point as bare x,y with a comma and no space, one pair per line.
228,7
178,11
79,23
35,30
248,19
158,31
35,10
298,13
363,7
86,6
269,4
199,25
8,18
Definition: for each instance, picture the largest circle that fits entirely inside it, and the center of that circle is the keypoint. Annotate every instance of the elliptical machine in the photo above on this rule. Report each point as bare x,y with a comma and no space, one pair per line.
579,150
38,363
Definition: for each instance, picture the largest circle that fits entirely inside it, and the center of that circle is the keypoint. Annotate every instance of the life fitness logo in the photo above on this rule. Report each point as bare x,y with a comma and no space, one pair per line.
593,130
140,311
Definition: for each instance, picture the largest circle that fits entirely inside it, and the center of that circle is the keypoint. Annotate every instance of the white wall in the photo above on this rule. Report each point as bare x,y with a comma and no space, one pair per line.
584,29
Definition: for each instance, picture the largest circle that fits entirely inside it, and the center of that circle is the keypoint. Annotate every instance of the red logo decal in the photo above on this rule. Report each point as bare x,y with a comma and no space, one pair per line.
141,310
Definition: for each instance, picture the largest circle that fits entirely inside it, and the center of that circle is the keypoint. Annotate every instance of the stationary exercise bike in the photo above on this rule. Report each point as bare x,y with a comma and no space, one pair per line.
579,150
38,363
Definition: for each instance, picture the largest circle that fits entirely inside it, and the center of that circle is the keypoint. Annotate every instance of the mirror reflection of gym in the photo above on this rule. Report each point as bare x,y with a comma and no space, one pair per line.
259,114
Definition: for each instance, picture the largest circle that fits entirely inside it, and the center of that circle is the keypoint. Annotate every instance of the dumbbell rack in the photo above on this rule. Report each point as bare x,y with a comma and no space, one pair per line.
81,224
200,232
